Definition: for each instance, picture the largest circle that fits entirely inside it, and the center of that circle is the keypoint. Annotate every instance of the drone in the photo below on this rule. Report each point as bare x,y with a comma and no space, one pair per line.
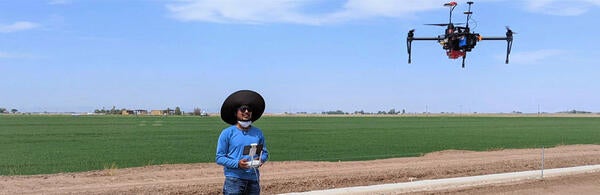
458,40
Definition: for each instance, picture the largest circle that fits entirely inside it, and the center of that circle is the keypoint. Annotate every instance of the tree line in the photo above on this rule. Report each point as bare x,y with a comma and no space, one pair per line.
115,111
5,111
168,111
338,112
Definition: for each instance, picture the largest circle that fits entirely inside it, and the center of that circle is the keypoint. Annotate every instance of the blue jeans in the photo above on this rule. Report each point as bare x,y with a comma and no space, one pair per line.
240,186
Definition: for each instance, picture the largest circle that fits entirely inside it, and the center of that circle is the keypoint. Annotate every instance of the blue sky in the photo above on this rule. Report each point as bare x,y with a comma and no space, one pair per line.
301,55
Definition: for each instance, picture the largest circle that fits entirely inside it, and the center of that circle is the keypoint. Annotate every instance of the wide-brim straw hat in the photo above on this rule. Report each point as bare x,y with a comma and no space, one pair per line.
239,98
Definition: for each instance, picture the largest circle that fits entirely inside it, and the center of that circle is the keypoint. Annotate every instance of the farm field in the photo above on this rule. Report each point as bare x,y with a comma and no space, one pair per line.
300,176
54,144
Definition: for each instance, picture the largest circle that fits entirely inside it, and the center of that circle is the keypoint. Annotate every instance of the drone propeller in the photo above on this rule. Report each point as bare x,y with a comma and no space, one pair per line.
508,30
444,24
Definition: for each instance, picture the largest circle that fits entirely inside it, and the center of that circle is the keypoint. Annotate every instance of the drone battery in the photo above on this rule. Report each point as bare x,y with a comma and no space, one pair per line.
462,42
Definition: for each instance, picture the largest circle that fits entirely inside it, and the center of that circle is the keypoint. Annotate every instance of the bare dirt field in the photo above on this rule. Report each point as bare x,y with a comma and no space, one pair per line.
296,176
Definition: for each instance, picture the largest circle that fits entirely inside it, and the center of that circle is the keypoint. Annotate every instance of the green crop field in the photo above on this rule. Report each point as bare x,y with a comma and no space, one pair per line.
51,144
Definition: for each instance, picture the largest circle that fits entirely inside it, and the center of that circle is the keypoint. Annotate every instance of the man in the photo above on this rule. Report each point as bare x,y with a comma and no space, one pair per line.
240,109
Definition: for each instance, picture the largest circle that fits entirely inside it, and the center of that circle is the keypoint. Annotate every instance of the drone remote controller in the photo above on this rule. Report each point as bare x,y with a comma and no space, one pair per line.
254,163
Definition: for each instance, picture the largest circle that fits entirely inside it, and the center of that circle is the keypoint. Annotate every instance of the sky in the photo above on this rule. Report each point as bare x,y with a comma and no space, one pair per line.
300,55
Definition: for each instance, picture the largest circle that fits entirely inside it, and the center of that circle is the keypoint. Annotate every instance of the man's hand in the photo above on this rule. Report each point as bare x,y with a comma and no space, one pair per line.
243,164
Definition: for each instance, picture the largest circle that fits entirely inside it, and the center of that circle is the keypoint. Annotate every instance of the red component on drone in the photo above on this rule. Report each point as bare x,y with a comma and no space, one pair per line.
453,54
452,3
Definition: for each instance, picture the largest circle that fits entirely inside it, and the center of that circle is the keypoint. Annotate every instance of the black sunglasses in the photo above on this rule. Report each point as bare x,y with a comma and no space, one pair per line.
244,108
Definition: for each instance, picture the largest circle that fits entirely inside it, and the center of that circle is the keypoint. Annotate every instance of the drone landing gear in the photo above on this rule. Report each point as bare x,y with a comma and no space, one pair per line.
409,39
508,46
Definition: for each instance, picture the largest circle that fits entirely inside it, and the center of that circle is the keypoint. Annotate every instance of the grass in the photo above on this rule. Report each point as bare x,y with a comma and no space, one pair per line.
51,144
362,138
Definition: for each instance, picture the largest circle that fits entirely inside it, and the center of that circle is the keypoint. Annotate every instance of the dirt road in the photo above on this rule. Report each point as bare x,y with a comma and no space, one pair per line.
295,176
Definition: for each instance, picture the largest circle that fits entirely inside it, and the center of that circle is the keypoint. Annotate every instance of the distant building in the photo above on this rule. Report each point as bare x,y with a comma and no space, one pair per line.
158,112
134,112
127,112
141,112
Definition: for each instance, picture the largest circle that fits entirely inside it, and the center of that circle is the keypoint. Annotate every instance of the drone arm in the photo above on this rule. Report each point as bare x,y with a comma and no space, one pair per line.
494,38
427,38
410,38
508,40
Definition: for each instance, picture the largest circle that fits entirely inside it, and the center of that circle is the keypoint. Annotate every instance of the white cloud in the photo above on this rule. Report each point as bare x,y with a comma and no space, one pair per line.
293,11
17,26
256,11
534,57
562,7
298,11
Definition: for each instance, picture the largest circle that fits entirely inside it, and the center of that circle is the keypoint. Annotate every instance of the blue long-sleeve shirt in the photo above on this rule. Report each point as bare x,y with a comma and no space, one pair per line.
230,148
